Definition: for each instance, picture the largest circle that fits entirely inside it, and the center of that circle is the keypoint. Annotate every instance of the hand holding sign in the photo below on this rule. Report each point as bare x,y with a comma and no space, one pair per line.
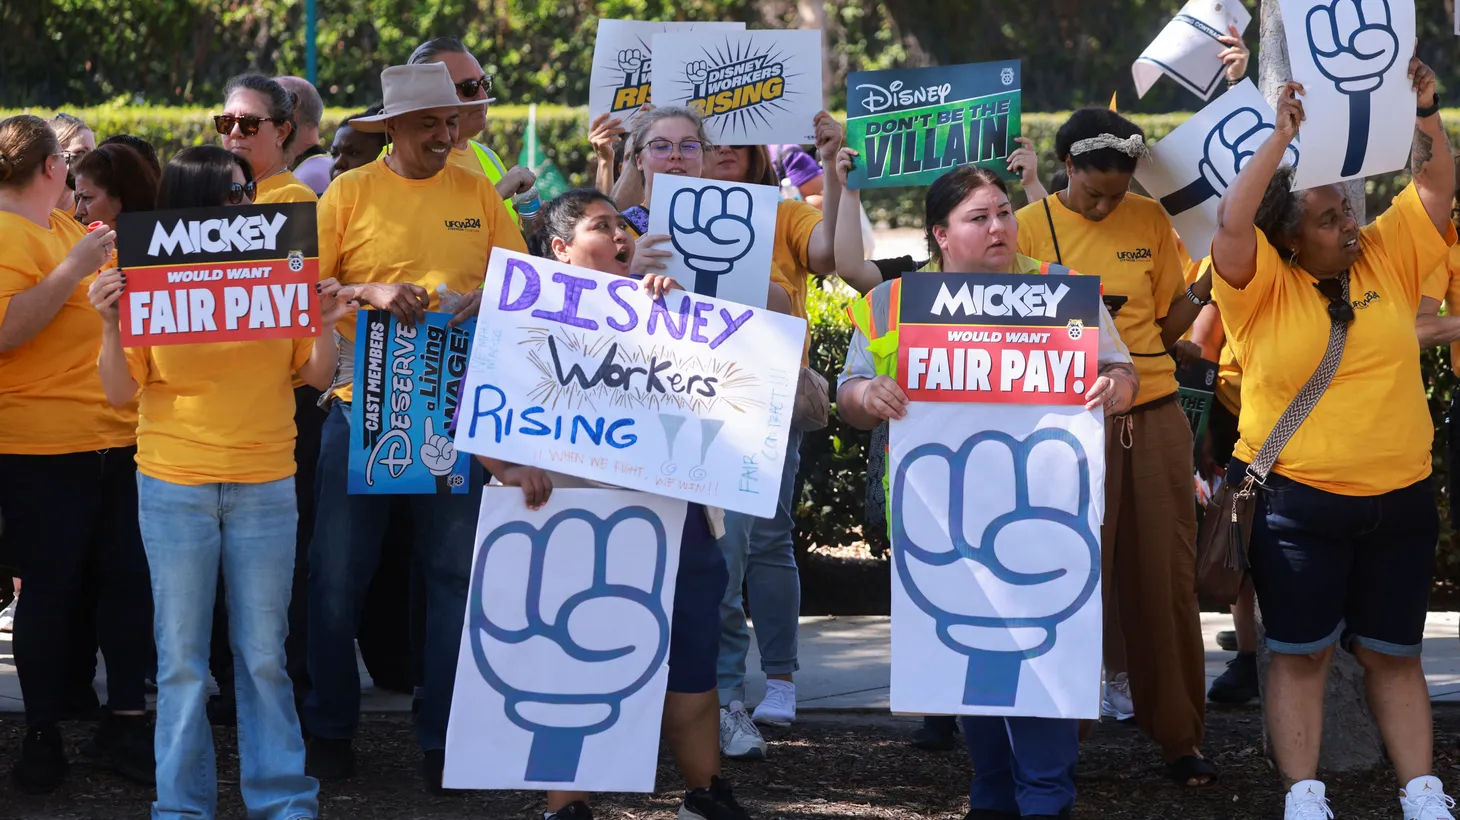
105,291
1354,45
712,229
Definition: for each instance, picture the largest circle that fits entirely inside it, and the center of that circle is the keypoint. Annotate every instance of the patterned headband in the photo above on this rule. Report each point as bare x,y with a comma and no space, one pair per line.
1133,146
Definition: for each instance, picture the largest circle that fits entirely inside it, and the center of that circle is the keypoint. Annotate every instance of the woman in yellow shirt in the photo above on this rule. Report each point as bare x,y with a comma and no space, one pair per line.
257,124
1097,226
68,484
1343,539
215,457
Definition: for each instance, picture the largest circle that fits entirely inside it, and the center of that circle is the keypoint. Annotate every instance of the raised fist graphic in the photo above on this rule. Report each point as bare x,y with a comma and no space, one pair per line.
711,228
632,61
1026,544
697,72
574,600
1354,43
437,452
1228,148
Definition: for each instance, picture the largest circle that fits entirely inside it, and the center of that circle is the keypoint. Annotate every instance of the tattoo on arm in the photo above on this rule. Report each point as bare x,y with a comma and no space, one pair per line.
1422,152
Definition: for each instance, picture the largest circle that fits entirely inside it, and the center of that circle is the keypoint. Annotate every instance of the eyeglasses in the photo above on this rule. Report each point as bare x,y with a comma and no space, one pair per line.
663,149
469,88
238,191
1339,310
249,125
72,157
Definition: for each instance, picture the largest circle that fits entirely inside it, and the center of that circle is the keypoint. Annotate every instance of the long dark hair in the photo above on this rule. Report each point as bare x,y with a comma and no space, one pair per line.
199,177
144,148
1280,214
948,192
1088,123
123,173
281,100
560,216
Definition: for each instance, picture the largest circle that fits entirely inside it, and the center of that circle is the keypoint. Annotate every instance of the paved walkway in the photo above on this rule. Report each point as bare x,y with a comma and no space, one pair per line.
844,665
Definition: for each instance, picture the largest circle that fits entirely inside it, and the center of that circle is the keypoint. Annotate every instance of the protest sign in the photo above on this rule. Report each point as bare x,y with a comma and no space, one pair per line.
564,655
1196,389
912,125
995,523
1190,168
752,87
998,337
227,274
1187,49
722,235
1353,61
581,372
407,386
622,61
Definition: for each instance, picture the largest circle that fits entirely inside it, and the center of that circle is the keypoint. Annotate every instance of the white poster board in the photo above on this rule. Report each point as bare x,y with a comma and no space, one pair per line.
753,87
1187,49
1190,168
722,235
996,513
1352,58
565,647
622,63
580,372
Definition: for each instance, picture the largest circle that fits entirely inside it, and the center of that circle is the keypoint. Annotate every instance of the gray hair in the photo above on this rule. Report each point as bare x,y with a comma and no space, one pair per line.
428,51
308,105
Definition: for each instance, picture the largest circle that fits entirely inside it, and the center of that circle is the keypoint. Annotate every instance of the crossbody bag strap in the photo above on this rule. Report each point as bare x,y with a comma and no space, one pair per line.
1049,217
1307,398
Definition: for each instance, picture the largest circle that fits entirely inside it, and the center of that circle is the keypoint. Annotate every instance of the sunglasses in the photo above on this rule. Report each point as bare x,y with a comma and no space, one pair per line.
663,149
1339,310
249,125
469,88
239,191
71,157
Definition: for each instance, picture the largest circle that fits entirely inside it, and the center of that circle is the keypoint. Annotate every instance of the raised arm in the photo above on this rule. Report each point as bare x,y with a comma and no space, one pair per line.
1430,161
821,250
851,257
1234,247
604,134
32,309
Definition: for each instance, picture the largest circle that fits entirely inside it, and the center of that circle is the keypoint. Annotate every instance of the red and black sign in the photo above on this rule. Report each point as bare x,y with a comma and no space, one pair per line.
227,274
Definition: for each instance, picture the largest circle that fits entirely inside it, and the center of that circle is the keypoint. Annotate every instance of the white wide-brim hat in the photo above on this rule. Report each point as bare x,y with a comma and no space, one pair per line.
407,88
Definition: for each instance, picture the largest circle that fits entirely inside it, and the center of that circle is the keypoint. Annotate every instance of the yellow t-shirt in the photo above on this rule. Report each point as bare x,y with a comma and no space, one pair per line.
1133,251
51,401
1229,373
283,187
1371,431
377,226
1444,285
217,413
791,259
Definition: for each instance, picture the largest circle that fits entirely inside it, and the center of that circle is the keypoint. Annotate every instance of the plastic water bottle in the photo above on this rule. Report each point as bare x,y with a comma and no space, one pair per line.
528,203
447,299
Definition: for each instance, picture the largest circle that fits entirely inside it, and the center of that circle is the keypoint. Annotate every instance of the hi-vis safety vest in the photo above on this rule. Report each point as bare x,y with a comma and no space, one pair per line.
491,166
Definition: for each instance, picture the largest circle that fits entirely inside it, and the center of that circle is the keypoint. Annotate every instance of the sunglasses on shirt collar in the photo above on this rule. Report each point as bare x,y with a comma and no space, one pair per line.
224,123
1339,310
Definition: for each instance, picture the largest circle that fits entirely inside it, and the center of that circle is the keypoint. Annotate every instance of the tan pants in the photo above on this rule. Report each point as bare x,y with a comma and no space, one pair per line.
1148,564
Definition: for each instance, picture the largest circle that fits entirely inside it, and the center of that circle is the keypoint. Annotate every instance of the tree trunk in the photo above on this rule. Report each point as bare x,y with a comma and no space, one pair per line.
811,14
1351,741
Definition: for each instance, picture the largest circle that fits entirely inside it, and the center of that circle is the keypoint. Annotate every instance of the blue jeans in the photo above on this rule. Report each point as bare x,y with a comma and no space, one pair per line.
761,552
1022,766
343,556
247,530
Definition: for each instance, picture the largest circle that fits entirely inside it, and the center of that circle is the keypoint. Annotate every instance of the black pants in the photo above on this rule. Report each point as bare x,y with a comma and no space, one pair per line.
71,527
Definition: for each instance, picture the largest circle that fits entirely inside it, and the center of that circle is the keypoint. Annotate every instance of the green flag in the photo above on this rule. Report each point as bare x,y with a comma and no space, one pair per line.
550,181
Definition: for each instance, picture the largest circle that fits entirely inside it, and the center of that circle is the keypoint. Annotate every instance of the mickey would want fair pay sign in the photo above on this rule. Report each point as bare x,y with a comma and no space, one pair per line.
998,338
227,274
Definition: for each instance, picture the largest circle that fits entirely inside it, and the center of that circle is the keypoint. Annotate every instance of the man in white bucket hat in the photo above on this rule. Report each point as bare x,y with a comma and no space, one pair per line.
399,233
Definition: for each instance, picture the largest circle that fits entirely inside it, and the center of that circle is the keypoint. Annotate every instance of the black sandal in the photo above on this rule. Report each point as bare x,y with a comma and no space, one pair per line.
1186,769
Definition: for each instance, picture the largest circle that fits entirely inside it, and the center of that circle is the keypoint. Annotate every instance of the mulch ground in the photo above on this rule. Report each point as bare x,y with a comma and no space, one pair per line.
833,766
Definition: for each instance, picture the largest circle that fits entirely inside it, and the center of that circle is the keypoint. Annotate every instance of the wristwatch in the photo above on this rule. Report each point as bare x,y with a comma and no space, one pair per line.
1194,299
1434,108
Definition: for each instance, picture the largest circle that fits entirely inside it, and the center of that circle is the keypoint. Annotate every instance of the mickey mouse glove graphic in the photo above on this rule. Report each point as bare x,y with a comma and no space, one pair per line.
1228,148
438,452
570,603
711,229
1354,43
1034,564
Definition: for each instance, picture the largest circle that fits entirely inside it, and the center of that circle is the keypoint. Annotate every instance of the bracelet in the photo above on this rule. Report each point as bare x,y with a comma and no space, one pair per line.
1231,83
1194,299
1433,109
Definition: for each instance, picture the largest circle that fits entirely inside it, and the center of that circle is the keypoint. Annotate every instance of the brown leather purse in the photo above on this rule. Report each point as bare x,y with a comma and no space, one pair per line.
1221,546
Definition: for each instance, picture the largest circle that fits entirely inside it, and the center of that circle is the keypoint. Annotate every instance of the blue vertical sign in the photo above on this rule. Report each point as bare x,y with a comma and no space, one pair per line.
407,382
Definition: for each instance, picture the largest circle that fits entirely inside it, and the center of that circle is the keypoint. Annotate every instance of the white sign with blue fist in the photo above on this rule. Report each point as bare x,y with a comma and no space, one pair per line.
722,234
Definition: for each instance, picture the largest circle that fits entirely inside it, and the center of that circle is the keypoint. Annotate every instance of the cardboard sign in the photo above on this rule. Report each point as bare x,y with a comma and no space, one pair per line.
1353,61
752,87
580,372
913,125
228,274
622,61
1187,49
722,234
995,337
1196,389
564,654
995,522
1190,168
407,384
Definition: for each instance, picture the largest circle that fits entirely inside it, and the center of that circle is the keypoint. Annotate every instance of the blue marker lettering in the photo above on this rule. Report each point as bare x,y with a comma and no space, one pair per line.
660,312
531,287
538,428
700,322
477,413
594,432
573,288
613,288
732,324
629,439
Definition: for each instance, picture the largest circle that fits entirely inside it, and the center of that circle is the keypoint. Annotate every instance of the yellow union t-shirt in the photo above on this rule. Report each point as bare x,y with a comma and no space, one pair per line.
1371,431
377,226
217,413
1444,285
51,400
283,187
1133,251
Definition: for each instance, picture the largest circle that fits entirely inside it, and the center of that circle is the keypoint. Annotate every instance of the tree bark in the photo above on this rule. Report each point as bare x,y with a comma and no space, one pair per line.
811,14
1351,741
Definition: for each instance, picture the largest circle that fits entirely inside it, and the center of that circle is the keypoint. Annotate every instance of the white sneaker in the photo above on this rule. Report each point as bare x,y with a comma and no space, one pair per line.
7,615
739,739
1306,801
1425,799
1117,703
778,708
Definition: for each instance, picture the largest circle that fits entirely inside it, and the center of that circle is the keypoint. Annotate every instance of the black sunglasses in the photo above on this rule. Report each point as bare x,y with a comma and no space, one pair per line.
249,125
1339,310
469,88
239,190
